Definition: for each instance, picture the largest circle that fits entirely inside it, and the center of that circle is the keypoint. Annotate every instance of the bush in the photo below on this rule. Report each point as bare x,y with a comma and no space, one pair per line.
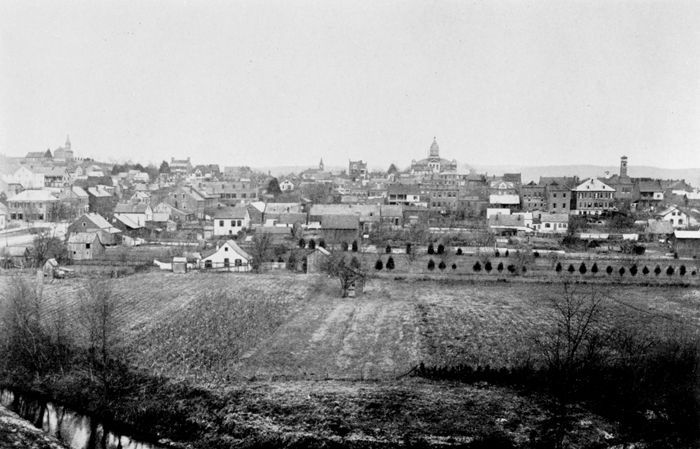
511,268
390,263
557,269
302,243
408,248
441,249
431,265
645,270
594,268
442,265
633,270
488,267
388,249
378,265
454,266
355,263
354,246
639,250
571,268
459,251
431,249
497,253
507,253
621,271
536,254
500,267
312,244
609,270
657,270
669,270
682,270
477,266
344,246
582,269
322,243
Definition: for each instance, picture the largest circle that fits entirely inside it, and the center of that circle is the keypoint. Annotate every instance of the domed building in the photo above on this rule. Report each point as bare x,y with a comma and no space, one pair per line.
433,163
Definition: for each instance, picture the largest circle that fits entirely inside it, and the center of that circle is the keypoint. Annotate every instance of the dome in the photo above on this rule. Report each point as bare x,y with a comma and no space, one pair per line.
434,149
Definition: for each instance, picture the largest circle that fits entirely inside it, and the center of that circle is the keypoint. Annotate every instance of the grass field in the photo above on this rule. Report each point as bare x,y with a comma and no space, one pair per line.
210,328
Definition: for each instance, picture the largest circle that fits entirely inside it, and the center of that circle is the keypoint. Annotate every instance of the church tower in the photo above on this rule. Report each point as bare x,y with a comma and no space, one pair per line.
623,167
434,149
320,165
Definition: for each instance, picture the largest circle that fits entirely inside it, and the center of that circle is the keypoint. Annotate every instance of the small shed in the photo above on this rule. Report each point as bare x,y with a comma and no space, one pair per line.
316,260
85,245
179,265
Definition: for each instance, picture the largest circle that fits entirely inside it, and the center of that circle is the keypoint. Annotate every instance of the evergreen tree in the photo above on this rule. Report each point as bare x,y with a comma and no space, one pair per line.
378,265
431,265
390,263
354,246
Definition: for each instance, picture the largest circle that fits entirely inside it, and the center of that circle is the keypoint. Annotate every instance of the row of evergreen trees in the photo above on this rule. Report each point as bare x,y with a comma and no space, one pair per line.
633,270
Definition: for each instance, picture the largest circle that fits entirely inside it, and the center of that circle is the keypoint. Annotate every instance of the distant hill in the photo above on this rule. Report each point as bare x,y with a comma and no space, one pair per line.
691,175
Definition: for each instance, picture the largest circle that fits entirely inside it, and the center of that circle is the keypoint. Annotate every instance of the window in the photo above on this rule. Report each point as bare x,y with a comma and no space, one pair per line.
554,195
221,223
225,248
238,262
226,262
546,225
87,246
563,205
83,224
239,223
207,264
233,222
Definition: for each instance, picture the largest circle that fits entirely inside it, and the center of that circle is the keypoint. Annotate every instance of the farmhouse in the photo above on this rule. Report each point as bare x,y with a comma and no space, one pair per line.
231,220
551,223
95,222
228,257
85,245
677,218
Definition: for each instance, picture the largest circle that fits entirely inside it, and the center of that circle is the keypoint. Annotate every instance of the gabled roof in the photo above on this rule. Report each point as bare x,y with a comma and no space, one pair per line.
347,222
232,245
129,208
667,211
99,193
96,219
282,208
504,199
79,192
33,196
650,186
238,212
128,222
554,218
593,185
693,235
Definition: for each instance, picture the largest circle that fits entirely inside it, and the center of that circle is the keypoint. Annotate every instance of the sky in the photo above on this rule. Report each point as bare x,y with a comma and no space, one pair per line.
269,83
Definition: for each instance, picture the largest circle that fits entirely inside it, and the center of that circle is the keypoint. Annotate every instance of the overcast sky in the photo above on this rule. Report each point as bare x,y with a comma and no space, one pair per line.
286,83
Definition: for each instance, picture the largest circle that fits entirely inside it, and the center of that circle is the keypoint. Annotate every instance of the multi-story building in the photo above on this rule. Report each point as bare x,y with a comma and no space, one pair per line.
648,194
593,197
533,197
180,167
31,205
558,193
357,170
403,194
622,184
231,193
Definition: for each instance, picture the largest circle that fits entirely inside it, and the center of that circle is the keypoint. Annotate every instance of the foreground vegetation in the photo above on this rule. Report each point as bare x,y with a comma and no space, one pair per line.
219,360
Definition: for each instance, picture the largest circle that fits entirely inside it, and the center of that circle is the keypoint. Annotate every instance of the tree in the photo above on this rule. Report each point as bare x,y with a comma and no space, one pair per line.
594,268
500,267
273,187
645,270
354,246
322,243
477,266
261,245
98,309
488,267
459,251
558,268
622,271
388,249
378,265
657,270
682,270
312,244
633,270
302,243
441,249
454,266
669,270
46,248
344,246
390,263
164,167
408,249
431,265
571,269
582,268
609,270
431,250
442,265
355,263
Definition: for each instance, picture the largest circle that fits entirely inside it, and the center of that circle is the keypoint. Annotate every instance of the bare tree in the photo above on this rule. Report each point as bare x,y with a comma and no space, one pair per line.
346,274
98,309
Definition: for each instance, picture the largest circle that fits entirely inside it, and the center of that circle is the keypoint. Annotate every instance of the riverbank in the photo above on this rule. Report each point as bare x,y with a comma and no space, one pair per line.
19,433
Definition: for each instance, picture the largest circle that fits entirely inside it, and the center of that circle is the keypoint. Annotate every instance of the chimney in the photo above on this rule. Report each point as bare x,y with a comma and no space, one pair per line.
623,166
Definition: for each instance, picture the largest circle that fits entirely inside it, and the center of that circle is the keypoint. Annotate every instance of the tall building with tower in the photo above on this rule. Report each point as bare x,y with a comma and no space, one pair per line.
433,163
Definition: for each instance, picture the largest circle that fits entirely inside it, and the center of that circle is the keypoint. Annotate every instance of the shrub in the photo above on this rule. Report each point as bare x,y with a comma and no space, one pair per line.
694,273
431,249
388,249
645,270
441,249
408,248
431,265
322,243
344,246
657,270
682,270
594,268
669,270
582,269
523,269
500,267
390,263
536,254
571,268
609,270
639,250
557,269
312,244
442,265
507,253
378,265
675,255
459,251
454,266
497,253
302,243
477,266
354,246
488,267
354,262
511,268
622,271
633,270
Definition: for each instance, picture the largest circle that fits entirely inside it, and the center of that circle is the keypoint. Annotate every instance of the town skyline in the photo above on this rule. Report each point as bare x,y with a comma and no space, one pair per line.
540,84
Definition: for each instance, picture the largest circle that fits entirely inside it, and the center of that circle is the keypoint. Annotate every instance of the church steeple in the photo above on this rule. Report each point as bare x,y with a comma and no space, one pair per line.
320,165
67,145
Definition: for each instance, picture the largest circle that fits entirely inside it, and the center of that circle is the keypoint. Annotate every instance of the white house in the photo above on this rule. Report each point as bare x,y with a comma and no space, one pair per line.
228,257
677,218
231,220
286,185
26,177
551,223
